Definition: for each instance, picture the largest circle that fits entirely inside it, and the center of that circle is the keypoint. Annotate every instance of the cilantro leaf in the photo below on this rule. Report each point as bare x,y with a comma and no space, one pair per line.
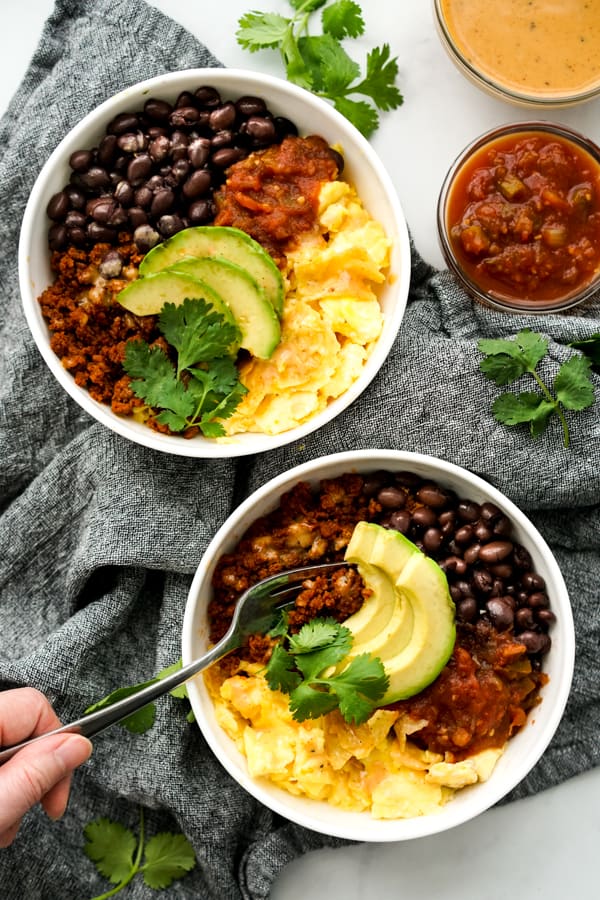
197,331
308,702
380,77
319,62
261,30
506,361
111,847
280,672
590,347
138,722
167,856
117,855
572,385
502,368
204,386
315,634
307,672
155,380
343,19
330,67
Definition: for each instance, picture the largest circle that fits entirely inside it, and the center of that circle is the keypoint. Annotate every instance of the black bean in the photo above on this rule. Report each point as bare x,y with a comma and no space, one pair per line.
545,617
137,216
260,130
159,148
482,532
539,600
107,150
453,564
57,236
122,123
162,202
502,570
464,534
223,117
208,97
169,225
180,170
200,211
284,127
502,526
467,610
100,233
145,238
95,178
495,551
468,511
76,196
186,99
424,517
533,581
124,193
535,642
524,618
75,219
198,151
77,236
400,520
432,539
143,196
391,498
81,160
197,184
408,480
139,168
184,116
221,140
227,156
500,613
433,496
101,209
522,558
471,554
58,206
482,581
250,106
157,110
489,511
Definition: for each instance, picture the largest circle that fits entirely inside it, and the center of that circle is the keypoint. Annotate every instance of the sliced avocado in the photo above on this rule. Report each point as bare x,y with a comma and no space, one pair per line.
252,311
147,296
423,585
409,620
220,240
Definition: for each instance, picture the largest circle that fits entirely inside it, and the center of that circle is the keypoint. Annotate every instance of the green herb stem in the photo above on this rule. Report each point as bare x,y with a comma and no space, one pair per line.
135,866
556,405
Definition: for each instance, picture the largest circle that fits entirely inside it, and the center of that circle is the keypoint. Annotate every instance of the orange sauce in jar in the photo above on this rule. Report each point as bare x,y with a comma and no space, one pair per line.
545,49
523,217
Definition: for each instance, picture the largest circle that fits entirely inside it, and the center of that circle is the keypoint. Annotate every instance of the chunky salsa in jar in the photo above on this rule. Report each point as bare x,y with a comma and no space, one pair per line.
523,218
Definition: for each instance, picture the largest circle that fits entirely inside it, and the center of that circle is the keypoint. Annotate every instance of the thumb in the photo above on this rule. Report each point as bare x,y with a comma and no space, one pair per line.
33,771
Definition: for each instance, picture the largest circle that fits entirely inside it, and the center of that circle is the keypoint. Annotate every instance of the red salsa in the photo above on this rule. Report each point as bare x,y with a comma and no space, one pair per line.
523,217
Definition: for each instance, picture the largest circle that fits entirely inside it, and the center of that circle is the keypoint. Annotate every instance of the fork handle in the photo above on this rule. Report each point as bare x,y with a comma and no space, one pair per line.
96,722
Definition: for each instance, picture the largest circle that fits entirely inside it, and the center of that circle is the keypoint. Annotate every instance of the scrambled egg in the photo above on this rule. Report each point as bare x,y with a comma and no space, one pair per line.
370,767
330,321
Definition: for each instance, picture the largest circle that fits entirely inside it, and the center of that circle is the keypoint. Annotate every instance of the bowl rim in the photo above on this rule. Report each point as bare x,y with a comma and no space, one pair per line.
498,301
493,86
361,826
225,78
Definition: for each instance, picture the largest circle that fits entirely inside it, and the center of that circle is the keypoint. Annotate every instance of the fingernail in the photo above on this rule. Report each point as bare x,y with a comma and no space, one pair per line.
73,751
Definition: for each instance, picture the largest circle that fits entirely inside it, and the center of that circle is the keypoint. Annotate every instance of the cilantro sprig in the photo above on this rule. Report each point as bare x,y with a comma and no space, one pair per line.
143,719
505,361
119,855
319,62
203,387
303,666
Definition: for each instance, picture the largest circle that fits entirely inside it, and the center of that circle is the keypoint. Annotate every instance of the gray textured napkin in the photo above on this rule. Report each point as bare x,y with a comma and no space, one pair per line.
99,537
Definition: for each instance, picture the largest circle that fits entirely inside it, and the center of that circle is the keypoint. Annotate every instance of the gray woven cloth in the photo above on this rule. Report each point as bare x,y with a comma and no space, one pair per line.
99,537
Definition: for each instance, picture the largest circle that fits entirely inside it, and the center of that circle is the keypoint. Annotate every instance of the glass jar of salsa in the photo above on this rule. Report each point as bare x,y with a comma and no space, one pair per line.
519,218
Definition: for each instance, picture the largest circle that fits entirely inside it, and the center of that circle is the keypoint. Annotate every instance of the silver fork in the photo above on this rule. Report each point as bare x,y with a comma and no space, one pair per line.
254,613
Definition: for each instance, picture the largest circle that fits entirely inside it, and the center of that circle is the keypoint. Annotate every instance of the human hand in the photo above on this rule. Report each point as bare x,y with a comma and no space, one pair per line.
41,772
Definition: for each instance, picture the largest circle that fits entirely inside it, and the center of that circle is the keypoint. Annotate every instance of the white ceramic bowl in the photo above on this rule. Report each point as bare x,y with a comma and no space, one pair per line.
523,750
312,116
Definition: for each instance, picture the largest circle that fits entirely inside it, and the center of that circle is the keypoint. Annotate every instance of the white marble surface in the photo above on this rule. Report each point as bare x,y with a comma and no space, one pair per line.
542,847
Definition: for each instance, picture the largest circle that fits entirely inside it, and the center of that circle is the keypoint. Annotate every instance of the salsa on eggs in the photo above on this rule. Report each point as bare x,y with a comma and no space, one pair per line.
523,217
